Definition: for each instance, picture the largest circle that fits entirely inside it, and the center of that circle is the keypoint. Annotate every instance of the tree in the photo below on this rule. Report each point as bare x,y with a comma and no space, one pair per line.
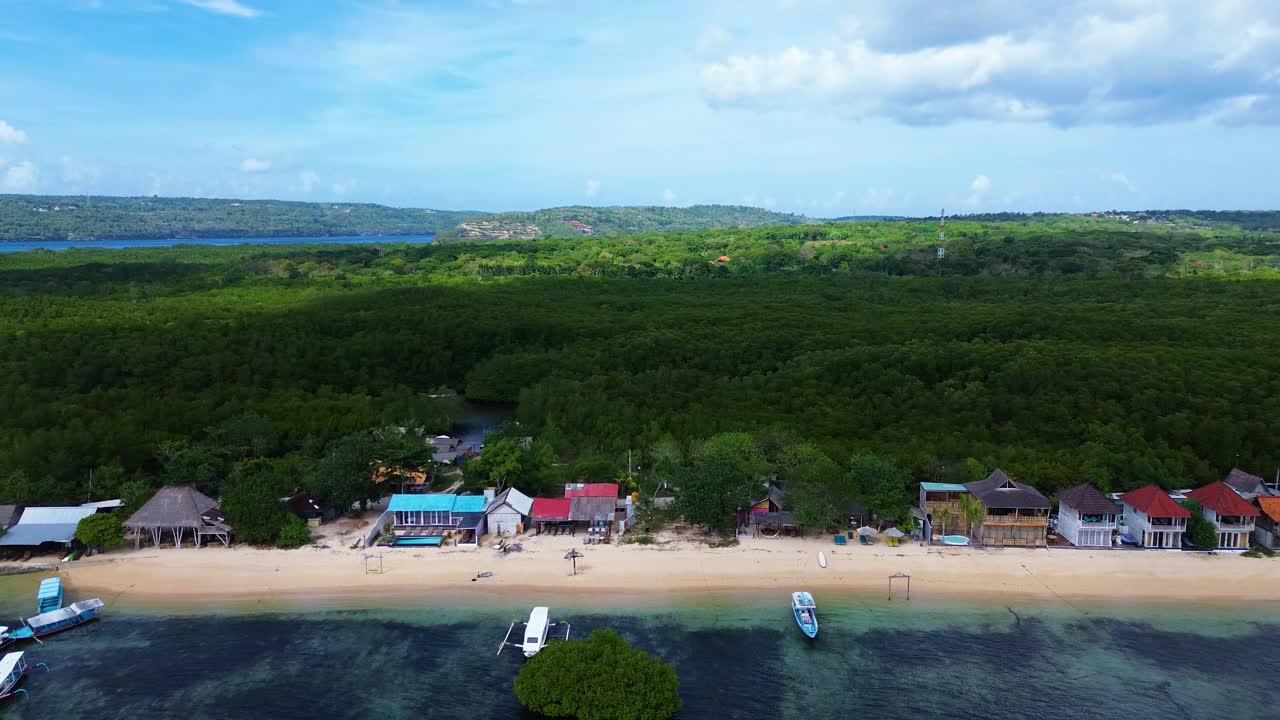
343,476
294,533
134,493
20,488
818,493
972,511
251,502
100,530
885,486
942,516
600,678
501,460
1200,531
711,492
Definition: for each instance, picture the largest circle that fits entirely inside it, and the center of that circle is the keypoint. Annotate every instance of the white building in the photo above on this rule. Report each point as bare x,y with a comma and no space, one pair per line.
1086,517
508,512
1153,519
1233,518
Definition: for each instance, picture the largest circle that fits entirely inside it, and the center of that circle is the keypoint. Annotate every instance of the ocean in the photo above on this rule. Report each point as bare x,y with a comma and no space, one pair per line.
736,658
25,245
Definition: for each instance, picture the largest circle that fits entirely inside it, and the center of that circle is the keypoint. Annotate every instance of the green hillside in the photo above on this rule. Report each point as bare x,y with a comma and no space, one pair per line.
60,217
579,221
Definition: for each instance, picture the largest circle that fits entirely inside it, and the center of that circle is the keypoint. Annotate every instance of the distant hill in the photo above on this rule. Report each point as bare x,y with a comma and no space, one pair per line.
865,218
576,221
63,217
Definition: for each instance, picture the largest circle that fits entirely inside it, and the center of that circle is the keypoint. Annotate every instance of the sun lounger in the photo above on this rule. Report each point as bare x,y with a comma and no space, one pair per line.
840,539
862,540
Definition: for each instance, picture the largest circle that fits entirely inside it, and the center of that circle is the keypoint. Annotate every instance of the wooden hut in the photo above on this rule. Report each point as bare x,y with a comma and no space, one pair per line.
179,509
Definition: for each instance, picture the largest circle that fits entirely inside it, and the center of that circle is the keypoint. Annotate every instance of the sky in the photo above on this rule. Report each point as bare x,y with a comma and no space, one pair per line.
821,107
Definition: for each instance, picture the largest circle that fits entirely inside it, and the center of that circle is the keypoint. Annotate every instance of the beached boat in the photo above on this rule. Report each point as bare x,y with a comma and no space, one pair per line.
13,666
806,612
55,621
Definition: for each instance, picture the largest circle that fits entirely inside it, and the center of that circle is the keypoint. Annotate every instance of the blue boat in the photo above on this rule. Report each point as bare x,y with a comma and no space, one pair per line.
55,621
50,595
806,612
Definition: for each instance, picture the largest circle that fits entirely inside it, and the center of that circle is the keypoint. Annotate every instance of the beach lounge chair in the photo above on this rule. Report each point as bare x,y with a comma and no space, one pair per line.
862,540
840,539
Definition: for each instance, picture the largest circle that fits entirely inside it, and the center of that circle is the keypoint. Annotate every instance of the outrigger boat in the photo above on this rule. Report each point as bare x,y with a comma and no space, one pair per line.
13,666
806,612
50,616
55,621
536,629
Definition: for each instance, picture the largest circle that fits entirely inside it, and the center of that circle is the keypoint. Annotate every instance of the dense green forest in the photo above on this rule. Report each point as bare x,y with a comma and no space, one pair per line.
77,217
580,221
1062,351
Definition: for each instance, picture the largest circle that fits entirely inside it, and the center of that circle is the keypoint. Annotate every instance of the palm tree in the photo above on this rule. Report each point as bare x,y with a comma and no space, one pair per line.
972,511
942,516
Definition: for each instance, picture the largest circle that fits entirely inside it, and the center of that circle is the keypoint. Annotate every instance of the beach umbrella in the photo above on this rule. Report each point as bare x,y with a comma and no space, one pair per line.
894,532
866,531
573,556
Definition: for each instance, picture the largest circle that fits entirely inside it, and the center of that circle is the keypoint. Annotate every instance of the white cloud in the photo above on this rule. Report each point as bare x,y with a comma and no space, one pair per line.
1123,181
254,165
1076,62
592,188
668,197
11,135
225,7
712,41
343,188
22,177
978,190
309,180
74,171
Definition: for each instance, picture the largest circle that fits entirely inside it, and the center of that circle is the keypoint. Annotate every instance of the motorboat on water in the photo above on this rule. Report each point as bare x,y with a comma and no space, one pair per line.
806,612
536,630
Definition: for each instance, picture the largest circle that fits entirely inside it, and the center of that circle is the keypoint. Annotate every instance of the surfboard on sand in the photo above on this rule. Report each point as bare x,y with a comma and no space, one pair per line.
822,558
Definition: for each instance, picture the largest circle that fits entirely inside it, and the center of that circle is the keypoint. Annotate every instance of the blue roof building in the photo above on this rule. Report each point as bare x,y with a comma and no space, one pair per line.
425,519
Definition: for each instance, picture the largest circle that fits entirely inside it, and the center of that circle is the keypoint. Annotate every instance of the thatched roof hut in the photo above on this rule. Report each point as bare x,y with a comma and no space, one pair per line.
178,509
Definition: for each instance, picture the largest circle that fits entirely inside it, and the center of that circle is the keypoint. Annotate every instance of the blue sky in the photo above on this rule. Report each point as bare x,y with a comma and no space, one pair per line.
824,107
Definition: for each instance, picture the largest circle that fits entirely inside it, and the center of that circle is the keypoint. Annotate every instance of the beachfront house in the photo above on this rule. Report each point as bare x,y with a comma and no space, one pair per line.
771,502
1086,517
1152,519
449,450
1248,486
304,505
430,519
506,512
1266,531
54,526
552,515
1015,514
1231,515
934,495
592,504
179,510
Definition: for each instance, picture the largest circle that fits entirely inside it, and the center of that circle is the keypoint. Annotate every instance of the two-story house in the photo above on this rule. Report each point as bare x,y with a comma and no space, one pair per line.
1232,516
1016,514
1086,517
1153,519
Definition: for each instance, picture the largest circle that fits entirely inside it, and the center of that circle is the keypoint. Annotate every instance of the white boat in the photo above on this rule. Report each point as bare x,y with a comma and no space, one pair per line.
13,666
806,612
536,630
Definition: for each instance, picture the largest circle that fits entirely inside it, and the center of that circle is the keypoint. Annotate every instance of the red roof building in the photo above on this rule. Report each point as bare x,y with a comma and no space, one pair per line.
1154,502
593,490
1220,498
550,509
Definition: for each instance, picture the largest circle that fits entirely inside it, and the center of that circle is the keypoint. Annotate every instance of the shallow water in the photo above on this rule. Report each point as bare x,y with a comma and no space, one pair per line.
736,658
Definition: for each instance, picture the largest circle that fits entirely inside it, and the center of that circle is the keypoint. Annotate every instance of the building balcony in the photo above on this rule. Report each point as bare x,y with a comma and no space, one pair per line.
1233,527
1109,525
1016,520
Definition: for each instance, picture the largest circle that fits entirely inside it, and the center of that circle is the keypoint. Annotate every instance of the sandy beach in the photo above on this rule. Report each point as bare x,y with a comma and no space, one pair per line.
674,566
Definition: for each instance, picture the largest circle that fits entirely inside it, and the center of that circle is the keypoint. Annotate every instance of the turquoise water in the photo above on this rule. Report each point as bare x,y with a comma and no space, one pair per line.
24,245
736,658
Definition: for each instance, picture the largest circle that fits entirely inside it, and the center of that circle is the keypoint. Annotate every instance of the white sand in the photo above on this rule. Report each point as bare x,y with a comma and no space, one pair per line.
675,566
